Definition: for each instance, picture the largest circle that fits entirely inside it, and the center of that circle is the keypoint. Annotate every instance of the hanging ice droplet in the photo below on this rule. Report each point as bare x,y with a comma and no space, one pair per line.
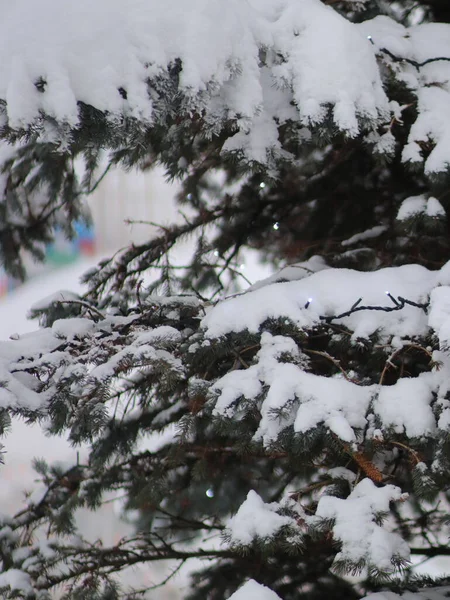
262,185
210,493
276,226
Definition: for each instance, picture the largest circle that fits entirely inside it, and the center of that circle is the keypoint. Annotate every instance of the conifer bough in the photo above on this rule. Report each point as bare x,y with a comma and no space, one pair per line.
282,434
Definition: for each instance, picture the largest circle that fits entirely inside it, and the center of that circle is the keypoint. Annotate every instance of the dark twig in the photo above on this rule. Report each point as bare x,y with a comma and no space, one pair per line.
430,552
417,65
399,304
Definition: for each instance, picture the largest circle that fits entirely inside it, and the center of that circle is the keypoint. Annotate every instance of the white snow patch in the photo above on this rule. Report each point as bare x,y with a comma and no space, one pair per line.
306,301
103,54
251,590
369,234
356,529
416,205
405,406
255,519
59,296
17,580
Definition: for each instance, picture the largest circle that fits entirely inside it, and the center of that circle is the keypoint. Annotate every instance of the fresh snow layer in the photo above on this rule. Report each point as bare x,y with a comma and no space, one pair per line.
304,302
18,581
288,395
369,234
355,525
104,54
259,64
278,379
429,82
415,206
254,591
256,519
428,593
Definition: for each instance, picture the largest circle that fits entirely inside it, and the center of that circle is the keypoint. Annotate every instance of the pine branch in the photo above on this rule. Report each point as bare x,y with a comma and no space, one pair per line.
112,560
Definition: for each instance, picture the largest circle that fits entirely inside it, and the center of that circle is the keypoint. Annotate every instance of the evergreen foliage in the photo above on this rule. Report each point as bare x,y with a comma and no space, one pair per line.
281,435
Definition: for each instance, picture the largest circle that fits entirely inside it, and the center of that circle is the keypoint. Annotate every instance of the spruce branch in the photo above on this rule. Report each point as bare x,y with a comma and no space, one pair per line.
99,561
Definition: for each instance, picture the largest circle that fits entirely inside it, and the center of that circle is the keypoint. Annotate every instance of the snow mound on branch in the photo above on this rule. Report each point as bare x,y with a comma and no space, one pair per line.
88,51
439,315
59,296
323,42
254,591
368,234
406,406
420,205
278,383
260,65
429,138
292,272
109,54
433,93
256,519
435,593
303,400
354,522
309,300
16,580
355,526
311,399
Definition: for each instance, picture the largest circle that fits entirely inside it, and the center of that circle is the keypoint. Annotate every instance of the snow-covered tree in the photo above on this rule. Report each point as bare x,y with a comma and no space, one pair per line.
279,435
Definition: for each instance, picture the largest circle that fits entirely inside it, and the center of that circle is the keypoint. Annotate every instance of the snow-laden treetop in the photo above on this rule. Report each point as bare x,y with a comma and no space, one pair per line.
255,65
